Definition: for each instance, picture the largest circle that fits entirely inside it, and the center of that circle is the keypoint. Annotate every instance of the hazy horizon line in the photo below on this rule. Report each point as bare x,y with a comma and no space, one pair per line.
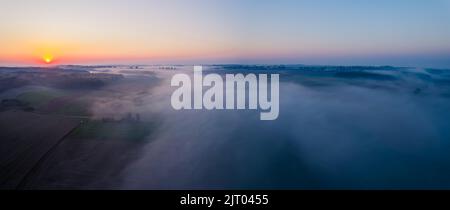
222,64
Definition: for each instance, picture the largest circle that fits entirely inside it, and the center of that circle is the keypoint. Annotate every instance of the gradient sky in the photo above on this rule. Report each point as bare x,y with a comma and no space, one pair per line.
347,32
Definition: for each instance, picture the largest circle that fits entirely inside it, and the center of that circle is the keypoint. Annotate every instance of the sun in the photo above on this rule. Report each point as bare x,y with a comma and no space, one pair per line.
48,59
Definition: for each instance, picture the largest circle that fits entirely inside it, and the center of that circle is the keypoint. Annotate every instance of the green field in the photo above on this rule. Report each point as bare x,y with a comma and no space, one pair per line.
77,107
39,98
128,131
56,102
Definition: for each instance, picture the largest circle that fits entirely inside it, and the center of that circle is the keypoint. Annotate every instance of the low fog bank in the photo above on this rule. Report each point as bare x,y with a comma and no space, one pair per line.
346,130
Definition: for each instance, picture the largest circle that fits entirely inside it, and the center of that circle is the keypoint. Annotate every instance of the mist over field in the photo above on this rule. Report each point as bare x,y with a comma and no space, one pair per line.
87,101
338,128
386,129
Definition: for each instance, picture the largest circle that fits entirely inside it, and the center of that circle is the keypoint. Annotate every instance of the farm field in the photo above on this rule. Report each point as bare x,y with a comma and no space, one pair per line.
25,139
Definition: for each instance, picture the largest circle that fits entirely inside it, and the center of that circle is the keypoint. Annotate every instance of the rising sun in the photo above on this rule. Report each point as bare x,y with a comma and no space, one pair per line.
48,59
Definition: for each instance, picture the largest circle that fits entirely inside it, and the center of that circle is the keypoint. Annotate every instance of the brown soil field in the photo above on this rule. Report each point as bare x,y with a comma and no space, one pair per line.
84,164
25,138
